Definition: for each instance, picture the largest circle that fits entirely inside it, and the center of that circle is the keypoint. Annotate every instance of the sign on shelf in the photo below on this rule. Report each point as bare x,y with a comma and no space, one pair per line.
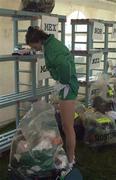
98,30
50,25
95,60
114,31
42,72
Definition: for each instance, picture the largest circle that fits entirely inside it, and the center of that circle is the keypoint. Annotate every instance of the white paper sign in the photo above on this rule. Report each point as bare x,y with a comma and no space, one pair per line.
50,25
95,60
42,72
114,31
98,30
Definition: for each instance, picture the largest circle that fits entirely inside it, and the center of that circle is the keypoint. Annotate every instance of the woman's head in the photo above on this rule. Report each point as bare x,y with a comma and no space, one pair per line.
35,38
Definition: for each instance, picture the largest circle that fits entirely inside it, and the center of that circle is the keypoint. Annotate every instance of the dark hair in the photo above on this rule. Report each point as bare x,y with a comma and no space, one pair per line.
35,35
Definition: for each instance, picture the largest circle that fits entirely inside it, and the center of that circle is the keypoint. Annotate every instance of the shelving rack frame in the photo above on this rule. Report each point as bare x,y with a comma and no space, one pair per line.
16,97
90,50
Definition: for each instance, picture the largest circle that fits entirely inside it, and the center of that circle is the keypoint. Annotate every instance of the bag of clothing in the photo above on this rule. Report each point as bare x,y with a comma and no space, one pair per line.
37,146
100,129
42,6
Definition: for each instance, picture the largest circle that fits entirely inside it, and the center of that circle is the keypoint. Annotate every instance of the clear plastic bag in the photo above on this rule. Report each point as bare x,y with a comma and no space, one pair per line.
104,87
112,66
100,87
100,129
37,145
99,121
44,6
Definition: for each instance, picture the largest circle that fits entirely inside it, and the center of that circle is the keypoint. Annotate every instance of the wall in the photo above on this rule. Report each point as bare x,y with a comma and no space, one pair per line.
90,9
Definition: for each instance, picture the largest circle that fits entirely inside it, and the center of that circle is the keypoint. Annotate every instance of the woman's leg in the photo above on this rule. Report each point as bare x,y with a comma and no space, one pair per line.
67,110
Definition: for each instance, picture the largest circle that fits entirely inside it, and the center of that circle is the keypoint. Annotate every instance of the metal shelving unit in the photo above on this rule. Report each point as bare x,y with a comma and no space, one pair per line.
33,92
83,47
110,42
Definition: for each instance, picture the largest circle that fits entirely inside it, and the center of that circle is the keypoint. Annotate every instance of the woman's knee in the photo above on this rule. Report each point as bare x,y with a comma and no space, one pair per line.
67,128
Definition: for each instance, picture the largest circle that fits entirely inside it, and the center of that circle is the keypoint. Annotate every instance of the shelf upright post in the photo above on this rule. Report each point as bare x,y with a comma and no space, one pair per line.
88,59
63,31
33,66
73,36
106,49
16,70
73,39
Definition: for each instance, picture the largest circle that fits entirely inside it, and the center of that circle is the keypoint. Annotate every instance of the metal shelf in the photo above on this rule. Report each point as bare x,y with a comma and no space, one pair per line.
30,95
26,14
79,32
80,42
25,58
80,63
87,51
113,50
24,71
5,140
22,30
114,59
11,99
85,21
